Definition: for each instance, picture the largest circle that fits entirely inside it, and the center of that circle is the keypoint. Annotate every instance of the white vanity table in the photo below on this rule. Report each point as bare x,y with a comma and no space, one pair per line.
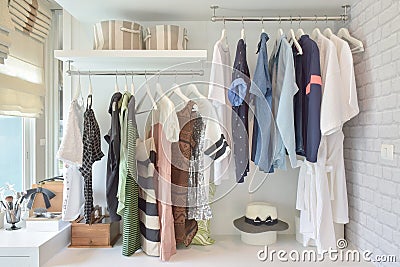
33,249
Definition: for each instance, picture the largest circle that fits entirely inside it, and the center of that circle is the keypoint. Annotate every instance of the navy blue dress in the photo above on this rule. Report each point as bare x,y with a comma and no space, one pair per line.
240,123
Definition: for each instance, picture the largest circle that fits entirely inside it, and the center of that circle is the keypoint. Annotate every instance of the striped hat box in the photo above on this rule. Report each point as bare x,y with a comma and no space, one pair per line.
117,35
166,37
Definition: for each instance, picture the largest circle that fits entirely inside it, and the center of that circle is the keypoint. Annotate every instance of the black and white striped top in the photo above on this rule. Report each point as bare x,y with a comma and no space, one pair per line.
148,210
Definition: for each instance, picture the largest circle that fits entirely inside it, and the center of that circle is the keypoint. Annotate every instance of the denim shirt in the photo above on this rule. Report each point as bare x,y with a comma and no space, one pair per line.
261,95
284,86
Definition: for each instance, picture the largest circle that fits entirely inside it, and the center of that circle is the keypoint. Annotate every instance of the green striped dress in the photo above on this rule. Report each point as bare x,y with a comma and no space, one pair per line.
131,226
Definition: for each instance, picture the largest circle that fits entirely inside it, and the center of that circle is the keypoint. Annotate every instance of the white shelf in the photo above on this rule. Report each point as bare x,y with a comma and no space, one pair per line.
228,250
122,60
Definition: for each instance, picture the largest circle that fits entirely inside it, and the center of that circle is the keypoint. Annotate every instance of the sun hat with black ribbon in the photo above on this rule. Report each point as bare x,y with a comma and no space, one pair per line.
260,217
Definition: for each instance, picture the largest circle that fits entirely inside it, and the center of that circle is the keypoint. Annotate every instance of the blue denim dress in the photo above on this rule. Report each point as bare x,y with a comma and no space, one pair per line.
240,110
261,96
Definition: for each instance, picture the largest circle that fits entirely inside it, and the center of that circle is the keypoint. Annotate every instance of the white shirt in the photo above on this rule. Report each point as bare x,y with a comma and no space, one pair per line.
331,109
349,90
220,80
165,114
73,196
215,143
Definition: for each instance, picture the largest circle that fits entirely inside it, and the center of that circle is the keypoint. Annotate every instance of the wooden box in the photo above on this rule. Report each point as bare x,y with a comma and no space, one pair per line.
101,234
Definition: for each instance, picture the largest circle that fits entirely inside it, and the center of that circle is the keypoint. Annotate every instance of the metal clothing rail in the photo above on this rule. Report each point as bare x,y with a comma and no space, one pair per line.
136,73
343,17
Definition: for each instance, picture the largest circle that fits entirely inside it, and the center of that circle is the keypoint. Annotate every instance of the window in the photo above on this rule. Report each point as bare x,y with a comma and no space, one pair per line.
15,144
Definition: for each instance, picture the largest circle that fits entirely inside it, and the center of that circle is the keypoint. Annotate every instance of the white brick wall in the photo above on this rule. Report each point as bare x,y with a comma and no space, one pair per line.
374,183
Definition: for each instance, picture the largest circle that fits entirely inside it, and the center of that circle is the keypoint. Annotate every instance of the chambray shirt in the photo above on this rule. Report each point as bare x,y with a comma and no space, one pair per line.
261,95
284,87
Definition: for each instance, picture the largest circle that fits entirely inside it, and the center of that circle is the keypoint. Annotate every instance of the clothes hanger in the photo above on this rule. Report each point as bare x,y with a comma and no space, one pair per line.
126,83
78,91
159,89
316,32
116,88
224,37
280,31
193,89
293,40
148,93
262,25
90,84
132,85
242,32
345,35
90,91
300,31
327,32
176,89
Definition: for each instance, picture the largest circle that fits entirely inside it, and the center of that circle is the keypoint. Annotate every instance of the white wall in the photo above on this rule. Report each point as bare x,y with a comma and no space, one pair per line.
279,188
374,183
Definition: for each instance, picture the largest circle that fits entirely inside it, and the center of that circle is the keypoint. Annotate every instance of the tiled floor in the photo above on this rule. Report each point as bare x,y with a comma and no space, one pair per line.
227,251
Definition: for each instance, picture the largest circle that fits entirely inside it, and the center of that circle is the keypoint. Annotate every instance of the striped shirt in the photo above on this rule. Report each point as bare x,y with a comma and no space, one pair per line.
148,212
130,213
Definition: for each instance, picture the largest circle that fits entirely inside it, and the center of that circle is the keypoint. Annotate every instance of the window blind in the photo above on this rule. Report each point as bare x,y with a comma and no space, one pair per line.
22,85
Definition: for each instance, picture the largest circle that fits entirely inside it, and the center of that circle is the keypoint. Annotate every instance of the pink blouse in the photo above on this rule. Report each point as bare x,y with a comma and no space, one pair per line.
163,176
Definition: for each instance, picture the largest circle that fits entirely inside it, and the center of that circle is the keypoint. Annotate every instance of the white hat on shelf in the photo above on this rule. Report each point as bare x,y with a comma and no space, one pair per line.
260,224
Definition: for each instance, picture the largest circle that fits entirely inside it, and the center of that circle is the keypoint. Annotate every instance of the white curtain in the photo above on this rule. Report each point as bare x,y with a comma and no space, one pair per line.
20,98
22,88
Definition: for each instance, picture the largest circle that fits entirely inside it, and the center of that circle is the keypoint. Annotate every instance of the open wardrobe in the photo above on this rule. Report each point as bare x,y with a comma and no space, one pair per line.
199,133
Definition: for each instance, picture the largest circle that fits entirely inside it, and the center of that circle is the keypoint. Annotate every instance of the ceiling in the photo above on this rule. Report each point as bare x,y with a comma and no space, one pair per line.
193,10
